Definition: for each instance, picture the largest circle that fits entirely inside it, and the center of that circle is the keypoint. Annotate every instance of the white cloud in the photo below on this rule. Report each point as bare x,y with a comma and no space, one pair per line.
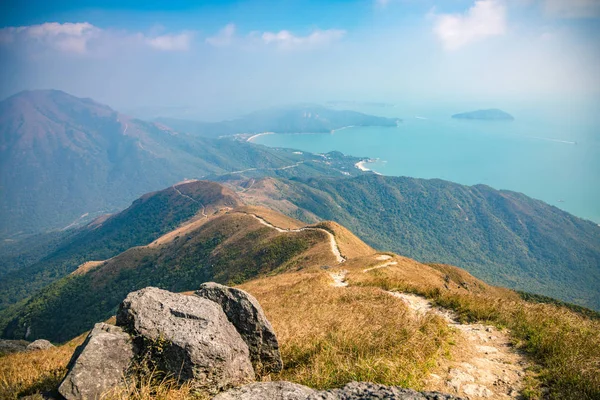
224,37
85,38
286,39
484,19
171,42
68,37
572,8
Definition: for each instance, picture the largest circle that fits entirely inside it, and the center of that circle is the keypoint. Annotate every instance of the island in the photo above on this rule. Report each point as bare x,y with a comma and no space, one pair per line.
492,114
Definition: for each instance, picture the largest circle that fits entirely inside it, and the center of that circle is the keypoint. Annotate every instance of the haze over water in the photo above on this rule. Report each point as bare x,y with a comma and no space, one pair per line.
552,155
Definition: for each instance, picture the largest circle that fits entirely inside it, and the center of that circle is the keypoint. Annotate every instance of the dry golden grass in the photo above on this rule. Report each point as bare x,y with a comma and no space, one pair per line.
36,371
330,335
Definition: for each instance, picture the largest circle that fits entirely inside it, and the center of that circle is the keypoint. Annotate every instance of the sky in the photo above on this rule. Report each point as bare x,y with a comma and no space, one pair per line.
214,59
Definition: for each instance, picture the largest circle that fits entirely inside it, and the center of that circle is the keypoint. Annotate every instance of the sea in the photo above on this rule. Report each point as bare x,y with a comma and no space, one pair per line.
549,153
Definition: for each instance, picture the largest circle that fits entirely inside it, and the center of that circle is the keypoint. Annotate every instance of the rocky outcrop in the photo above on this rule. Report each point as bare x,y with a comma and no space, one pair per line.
248,317
352,391
187,336
12,346
268,391
40,344
366,390
99,364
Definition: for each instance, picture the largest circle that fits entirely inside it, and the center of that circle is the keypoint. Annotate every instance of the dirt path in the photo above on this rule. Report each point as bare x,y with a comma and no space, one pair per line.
484,365
333,243
192,199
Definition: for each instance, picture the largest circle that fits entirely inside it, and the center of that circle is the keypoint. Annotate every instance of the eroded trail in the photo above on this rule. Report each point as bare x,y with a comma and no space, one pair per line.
484,364
335,249
192,199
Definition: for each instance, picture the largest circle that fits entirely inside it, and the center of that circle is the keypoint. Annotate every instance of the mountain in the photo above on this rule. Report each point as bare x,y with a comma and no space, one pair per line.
341,310
65,160
302,119
149,217
225,244
492,114
503,237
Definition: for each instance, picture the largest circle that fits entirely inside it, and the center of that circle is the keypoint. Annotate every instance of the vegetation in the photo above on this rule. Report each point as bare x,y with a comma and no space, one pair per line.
229,249
503,237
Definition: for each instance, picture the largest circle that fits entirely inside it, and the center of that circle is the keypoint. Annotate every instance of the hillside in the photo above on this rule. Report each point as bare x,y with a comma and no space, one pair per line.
503,237
228,245
65,160
301,119
149,217
374,317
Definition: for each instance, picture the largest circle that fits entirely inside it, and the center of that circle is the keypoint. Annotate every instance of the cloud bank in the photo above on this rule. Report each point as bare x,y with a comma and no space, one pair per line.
485,19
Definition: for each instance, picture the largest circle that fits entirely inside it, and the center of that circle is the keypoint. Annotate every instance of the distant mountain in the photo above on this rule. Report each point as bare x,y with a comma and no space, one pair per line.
302,119
502,237
65,160
492,114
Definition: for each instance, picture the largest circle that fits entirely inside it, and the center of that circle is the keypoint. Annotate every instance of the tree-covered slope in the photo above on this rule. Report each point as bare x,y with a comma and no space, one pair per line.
502,237
147,218
229,248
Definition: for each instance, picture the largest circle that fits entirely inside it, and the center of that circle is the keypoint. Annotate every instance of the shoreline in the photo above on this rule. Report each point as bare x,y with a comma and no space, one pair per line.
251,138
361,165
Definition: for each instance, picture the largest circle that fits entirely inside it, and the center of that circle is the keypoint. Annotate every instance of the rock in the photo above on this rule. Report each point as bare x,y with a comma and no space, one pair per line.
187,336
366,390
473,389
40,344
99,364
248,317
12,346
268,391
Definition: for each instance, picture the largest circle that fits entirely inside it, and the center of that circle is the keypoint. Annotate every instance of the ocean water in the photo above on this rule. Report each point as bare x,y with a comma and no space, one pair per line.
551,155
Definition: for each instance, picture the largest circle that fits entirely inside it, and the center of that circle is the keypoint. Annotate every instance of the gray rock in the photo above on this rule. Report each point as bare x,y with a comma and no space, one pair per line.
40,344
267,391
99,364
248,317
12,346
187,336
366,390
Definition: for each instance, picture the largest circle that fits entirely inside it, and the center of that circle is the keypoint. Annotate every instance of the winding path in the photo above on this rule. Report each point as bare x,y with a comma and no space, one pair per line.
333,243
192,199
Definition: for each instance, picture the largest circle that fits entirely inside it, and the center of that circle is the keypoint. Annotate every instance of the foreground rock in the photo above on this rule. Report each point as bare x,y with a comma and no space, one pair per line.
366,390
99,364
40,344
268,391
248,317
352,391
187,336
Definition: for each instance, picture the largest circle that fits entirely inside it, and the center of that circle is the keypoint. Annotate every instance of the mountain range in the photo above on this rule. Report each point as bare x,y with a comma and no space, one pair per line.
65,160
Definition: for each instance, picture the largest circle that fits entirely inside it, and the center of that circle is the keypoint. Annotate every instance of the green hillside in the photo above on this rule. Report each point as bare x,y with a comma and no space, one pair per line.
503,237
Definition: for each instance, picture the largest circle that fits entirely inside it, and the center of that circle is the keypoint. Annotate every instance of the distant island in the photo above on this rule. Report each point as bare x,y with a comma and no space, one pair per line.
493,114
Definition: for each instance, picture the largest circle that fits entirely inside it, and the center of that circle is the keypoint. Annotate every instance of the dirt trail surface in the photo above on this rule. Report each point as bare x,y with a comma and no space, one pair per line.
339,278
484,364
190,198
334,246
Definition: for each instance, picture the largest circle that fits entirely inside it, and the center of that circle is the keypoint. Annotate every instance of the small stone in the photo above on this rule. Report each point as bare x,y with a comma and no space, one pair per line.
267,391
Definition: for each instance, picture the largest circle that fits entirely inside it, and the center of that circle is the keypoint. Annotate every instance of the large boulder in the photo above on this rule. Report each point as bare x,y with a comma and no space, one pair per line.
366,390
40,344
267,391
187,336
99,364
248,317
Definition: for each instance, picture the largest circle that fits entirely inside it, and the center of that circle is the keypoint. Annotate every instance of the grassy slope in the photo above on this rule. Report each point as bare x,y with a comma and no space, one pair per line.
329,336
231,248
503,237
146,219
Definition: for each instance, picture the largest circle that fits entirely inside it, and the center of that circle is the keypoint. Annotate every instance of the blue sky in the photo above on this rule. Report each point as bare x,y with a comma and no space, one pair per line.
223,55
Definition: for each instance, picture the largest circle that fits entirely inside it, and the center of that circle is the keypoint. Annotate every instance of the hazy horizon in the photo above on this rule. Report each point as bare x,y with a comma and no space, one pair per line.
228,58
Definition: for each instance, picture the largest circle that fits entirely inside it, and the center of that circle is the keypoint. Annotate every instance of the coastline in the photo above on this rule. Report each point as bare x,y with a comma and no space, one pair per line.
251,138
361,165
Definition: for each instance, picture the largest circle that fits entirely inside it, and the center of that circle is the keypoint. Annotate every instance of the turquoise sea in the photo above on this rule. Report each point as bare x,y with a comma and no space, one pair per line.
552,154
